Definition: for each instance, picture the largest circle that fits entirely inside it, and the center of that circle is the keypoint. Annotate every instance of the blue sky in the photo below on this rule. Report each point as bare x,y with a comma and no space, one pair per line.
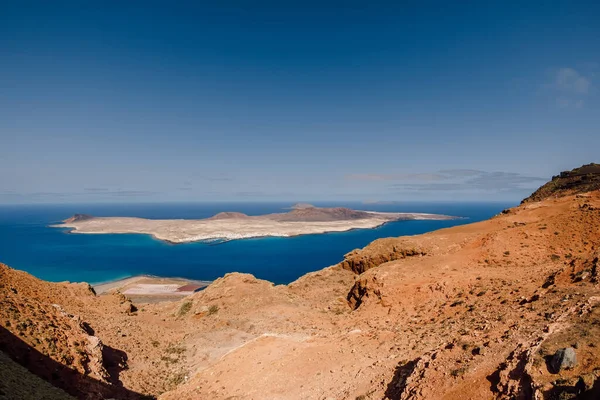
262,101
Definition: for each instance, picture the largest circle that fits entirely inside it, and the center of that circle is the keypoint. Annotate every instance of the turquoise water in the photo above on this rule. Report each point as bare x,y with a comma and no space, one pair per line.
27,243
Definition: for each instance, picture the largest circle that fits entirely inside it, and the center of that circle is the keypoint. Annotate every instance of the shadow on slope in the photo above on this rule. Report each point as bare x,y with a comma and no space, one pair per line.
396,386
61,376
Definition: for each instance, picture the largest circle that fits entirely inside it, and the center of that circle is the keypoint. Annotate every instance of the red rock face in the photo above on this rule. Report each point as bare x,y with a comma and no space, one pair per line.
229,215
321,214
78,217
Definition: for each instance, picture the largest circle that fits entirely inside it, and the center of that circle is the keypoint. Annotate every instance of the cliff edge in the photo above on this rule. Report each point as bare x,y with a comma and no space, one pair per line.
579,180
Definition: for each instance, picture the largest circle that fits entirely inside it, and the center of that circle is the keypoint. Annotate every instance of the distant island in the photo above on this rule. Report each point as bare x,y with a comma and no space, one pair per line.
303,219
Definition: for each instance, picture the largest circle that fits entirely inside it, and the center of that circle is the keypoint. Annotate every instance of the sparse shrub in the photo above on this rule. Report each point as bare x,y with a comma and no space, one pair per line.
458,372
185,308
155,343
168,360
213,309
555,257
67,359
507,253
172,349
178,378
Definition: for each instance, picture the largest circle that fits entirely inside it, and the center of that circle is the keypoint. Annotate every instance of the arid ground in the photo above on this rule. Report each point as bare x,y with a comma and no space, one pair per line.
233,225
470,312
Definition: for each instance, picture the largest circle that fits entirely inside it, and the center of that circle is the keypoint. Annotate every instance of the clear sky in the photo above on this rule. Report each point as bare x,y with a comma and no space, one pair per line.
129,101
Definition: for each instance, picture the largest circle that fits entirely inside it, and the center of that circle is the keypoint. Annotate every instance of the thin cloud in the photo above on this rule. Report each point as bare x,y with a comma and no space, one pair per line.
442,175
461,172
132,193
10,194
569,86
218,178
565,102
261,194
395,177
485,181
85,193
570,80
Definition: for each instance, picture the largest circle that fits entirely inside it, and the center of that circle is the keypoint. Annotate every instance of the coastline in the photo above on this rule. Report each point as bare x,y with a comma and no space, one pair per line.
147,280
214,241
225,230
103,287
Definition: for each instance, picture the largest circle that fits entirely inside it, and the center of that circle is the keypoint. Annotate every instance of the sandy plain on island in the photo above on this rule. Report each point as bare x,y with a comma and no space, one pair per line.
231,226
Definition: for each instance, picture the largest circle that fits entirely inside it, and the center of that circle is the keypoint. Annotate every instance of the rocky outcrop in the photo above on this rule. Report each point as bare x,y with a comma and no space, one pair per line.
362,288
377,253
579,180
565,358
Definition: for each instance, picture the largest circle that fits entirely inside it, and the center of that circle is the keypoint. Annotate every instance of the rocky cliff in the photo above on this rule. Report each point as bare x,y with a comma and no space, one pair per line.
579,180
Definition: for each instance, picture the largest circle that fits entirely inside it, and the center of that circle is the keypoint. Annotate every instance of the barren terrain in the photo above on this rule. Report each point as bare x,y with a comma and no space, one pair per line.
232,225
470,312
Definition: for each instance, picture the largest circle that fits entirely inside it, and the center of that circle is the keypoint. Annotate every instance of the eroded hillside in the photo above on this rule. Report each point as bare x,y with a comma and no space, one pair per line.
470,312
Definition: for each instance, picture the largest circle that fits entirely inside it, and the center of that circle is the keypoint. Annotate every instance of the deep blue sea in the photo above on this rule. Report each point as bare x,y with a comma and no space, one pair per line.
27,243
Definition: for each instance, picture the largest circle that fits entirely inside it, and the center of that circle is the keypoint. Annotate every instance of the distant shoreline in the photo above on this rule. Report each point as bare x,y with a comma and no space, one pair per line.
218,241
228,226
104,287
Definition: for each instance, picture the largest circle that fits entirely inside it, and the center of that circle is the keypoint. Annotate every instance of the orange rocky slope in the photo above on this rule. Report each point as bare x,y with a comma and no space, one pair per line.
466,312
470,312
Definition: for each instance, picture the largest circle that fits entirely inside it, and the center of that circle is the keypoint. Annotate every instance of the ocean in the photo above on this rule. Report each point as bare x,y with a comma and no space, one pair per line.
27,243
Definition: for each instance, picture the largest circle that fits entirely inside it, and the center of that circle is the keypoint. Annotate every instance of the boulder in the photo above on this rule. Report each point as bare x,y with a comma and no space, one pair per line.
563,359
